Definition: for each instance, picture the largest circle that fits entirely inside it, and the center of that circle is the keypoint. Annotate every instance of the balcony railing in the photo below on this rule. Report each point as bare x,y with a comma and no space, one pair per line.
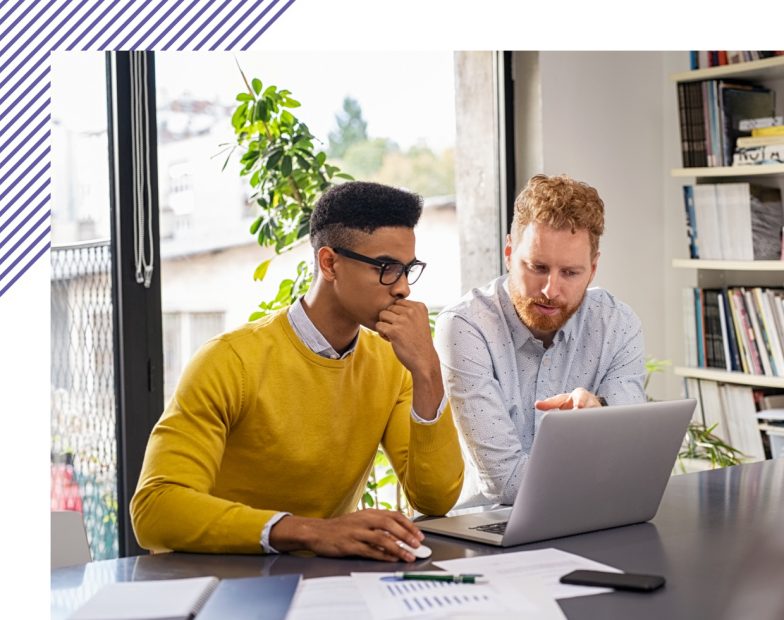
83,444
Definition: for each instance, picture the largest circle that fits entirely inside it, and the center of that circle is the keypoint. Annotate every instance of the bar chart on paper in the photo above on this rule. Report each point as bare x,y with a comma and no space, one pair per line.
426,596
390,598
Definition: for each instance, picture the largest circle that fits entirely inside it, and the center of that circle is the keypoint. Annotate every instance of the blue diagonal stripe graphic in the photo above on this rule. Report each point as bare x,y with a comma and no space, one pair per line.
186,27
31,247
266,25
10,43
22,208
30,31
213,16
152,28
93,26
22,239
11,108
240,19
7,127
24,269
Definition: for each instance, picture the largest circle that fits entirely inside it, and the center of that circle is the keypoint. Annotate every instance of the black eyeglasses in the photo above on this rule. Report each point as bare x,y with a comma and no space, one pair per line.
389,271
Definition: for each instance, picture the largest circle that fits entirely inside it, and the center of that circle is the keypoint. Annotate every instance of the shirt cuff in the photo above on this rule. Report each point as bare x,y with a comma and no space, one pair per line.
265,533
439,411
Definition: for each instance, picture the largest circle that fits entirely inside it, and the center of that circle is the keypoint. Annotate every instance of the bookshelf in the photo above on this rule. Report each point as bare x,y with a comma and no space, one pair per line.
721,274
728,172
729,265
765,69
723,376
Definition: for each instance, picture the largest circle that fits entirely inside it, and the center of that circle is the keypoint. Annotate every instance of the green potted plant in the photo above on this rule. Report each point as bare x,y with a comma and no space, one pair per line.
701,449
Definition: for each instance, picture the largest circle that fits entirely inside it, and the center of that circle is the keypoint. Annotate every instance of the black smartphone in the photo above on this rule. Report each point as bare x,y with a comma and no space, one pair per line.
619,581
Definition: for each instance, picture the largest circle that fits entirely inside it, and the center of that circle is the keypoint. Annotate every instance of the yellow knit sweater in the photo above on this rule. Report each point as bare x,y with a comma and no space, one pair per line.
260,424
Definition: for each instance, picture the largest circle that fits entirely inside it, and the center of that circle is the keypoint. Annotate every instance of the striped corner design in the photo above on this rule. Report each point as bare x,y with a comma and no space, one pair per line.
29,31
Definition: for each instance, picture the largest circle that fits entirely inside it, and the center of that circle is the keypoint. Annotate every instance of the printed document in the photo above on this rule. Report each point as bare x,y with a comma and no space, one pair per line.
546,565
328,597
390,598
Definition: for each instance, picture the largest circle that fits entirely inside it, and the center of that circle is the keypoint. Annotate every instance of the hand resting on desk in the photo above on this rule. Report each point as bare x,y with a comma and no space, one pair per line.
368,533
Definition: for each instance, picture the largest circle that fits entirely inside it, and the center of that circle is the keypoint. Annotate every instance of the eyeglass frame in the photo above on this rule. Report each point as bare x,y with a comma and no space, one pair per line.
383,265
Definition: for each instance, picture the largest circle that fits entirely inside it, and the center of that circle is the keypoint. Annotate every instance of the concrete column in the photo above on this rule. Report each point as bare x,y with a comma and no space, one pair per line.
478,186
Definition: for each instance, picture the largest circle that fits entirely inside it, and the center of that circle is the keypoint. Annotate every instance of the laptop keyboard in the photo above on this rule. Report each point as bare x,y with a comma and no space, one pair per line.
493,528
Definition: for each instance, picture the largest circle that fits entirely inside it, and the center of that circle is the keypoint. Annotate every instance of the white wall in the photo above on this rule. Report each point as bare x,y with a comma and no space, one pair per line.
610,119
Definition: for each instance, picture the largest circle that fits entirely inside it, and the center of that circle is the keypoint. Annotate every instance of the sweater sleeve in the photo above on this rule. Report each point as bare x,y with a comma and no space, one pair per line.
426,457
172,508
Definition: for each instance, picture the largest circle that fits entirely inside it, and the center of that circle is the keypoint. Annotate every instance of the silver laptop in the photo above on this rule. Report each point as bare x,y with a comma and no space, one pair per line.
588,470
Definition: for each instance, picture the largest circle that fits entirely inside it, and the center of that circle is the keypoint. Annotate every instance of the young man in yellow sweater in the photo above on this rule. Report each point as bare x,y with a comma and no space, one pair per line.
268,441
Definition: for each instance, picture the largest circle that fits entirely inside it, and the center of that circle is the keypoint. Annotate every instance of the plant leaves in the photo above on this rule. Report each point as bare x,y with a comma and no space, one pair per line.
285,166
238,118
261,270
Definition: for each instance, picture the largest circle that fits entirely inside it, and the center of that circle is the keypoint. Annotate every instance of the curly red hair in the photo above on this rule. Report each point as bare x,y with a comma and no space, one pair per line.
561,203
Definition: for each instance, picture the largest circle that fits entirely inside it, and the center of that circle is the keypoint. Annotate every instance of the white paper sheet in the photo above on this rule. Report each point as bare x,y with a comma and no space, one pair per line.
546,565
391,599
328,597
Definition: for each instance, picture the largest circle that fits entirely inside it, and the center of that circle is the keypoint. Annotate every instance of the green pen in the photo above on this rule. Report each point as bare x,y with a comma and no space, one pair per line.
440,577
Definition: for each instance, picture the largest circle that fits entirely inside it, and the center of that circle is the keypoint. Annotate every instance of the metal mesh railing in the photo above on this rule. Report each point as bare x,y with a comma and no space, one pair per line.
84,452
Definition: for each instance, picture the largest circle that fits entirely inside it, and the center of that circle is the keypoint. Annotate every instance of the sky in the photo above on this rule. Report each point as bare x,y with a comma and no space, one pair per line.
408,96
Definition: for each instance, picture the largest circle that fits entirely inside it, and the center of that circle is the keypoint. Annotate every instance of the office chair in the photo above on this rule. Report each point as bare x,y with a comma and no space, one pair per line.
69,539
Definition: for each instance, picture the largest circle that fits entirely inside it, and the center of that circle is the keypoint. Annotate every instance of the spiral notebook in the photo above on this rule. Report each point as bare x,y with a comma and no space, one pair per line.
203,598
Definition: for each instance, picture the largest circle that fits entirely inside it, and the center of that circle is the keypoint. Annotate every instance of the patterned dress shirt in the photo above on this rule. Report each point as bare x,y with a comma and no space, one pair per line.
494,369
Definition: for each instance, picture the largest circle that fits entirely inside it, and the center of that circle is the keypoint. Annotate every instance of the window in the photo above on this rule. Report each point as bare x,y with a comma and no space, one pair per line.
83,443
364,125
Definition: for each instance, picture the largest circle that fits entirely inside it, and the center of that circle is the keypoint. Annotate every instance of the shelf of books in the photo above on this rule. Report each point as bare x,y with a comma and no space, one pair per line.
723,376
732,148
730,171
728,265
763,69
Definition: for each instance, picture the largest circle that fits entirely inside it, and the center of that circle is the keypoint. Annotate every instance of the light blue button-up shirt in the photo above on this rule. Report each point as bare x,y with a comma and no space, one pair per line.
494,369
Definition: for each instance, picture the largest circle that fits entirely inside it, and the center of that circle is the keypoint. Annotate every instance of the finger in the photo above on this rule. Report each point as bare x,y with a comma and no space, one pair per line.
387,316
376,553
406,303
584,399
554,402
386,543
383,328
405,531
393,523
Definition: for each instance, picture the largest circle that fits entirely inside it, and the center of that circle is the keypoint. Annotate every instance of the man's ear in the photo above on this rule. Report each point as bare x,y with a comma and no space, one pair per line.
326,263
594,265
508,252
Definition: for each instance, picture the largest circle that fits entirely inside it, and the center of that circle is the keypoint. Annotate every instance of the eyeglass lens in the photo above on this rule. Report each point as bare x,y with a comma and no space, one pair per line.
391,273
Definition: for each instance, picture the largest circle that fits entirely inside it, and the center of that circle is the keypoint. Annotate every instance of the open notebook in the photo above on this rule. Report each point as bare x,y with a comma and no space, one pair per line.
200,597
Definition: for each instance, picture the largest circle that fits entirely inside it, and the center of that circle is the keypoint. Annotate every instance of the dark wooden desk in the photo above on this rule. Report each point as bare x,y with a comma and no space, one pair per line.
718,538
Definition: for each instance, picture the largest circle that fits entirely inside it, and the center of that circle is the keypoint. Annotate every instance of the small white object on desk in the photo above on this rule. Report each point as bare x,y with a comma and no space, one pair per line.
421,552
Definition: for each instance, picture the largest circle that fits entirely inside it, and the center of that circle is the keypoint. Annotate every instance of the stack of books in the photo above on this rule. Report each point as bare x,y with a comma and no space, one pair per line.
735,329
732,411
710,114
765,145
704,59
733,221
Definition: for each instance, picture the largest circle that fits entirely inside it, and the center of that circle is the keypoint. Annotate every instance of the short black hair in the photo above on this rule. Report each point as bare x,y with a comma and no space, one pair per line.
363,206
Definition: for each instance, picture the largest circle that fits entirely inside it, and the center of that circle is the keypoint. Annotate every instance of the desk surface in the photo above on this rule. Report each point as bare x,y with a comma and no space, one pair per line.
718,538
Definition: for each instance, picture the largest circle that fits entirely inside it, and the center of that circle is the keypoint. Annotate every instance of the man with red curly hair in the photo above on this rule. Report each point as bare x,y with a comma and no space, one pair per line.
537,338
